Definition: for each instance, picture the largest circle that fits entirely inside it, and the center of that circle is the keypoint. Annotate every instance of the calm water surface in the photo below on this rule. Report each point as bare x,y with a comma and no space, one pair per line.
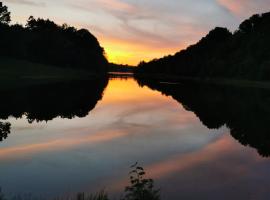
130,123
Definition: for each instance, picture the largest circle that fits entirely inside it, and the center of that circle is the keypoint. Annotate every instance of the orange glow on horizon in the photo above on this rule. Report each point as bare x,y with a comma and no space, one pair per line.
123,51
132,53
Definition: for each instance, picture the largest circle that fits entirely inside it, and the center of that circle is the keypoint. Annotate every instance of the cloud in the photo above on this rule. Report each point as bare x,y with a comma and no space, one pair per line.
27,2
245,8
140,26
135,30
235,7
125,13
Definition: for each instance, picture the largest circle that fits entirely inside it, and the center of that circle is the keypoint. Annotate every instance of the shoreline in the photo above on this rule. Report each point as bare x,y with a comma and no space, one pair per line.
171,79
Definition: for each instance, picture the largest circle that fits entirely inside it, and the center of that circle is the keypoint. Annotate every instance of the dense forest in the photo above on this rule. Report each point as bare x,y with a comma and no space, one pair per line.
43,41
244,54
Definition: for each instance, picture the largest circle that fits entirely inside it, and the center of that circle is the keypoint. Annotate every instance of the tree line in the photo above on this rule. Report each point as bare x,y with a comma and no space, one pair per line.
244,54
43,41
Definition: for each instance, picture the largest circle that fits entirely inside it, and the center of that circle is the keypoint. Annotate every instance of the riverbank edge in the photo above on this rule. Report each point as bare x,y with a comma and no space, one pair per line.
16,73
214,81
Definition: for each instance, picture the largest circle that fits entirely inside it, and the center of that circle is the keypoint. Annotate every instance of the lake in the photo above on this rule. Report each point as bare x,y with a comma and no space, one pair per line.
196,142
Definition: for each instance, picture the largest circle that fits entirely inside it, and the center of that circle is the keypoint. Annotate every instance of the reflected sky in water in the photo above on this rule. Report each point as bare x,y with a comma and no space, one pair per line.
130,123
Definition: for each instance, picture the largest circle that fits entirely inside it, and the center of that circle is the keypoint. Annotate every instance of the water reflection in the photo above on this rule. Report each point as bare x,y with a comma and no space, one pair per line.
131,123
244,111
46,102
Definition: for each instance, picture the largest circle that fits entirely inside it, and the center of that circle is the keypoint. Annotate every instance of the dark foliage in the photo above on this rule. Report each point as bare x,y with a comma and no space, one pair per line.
244,111
4,14
4,130
99,196
120,68
242,55
140,188
45,42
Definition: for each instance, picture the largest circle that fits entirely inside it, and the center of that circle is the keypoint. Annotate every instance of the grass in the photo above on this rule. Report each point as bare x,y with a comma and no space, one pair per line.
83,196
17,73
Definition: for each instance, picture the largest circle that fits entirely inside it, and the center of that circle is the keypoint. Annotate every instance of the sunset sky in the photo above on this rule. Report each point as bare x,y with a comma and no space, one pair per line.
135,30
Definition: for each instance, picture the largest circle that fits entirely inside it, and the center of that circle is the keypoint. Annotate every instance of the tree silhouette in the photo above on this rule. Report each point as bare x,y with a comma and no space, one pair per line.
4,14
244,54
43,41
140,188
4,130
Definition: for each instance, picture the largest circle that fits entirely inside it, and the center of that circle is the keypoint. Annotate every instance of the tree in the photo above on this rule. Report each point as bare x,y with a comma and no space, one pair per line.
244,54
4,130
140,188
4,14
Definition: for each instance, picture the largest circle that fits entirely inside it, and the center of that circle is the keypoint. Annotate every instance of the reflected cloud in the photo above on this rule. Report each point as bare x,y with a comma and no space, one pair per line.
132,124
177,165
59,144
234,111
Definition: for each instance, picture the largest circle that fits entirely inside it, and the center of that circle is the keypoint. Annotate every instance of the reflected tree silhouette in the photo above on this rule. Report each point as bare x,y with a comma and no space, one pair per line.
245,111
46,102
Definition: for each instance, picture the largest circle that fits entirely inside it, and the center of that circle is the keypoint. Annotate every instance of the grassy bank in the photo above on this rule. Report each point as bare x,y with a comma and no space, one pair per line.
15,73
215,81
